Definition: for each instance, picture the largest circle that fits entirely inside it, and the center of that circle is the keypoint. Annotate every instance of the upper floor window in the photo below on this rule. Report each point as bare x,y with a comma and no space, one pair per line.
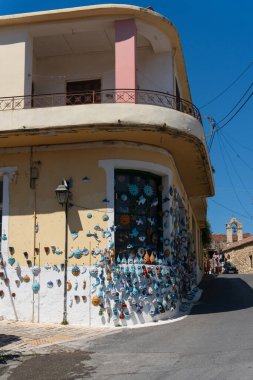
83,92
138,212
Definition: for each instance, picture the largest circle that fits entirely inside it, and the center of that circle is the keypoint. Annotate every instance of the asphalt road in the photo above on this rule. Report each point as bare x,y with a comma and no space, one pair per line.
214,342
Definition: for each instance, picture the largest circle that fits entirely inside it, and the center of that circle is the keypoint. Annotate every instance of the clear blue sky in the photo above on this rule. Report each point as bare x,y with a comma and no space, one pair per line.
217,41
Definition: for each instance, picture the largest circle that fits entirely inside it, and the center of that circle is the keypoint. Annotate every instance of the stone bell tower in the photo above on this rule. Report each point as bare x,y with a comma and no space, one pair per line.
234,226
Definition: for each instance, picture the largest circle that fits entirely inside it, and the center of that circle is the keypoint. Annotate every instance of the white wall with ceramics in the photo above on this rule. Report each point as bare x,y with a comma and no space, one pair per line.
19,302
47,304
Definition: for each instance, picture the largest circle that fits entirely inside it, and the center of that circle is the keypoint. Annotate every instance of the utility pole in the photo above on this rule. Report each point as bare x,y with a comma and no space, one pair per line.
212,130
212,127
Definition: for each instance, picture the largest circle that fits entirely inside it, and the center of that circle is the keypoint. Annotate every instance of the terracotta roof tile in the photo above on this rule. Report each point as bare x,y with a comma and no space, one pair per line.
223,238
240,243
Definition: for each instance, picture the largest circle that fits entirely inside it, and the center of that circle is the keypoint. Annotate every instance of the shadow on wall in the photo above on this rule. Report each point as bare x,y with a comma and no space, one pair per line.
75,223
223,294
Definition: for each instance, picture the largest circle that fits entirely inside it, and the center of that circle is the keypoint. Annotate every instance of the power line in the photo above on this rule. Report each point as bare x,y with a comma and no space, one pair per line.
240,144
214,125
239,101
229,209
212,139
236,172
239,109
230,179
228,87
237,154
211,142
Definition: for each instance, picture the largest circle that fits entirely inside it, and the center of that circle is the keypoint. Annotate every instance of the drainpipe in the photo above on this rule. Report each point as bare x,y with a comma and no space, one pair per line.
63,194
64,320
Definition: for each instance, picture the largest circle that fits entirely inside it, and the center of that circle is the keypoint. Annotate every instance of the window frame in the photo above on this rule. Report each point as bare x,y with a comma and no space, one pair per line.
109,165
158,179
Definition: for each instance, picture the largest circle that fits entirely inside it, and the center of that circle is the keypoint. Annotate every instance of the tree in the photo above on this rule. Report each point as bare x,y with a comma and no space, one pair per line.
207,235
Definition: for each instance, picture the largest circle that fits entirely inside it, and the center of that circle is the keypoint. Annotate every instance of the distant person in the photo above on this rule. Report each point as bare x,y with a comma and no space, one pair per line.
216,263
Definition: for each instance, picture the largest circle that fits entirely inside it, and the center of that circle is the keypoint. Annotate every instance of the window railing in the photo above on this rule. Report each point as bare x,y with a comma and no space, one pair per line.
155,98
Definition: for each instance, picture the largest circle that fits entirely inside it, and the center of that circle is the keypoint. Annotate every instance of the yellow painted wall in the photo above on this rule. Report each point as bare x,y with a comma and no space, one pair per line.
54,166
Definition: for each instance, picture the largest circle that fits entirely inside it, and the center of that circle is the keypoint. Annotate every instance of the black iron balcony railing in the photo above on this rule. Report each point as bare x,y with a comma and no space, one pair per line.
149,97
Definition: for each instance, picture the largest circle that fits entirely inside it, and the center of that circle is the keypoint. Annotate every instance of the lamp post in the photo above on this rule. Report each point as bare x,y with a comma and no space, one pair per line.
63,194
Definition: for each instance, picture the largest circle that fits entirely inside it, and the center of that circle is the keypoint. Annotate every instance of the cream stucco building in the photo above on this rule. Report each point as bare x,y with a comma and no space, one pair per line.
98,96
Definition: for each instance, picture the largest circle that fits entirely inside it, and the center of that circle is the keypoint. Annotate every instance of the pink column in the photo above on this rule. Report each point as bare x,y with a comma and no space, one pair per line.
125,61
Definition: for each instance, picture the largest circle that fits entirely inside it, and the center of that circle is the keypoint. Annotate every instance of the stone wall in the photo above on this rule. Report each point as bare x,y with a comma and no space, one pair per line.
241,258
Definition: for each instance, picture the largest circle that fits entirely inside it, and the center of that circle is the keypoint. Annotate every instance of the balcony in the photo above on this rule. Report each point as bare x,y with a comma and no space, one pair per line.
110,96
143,117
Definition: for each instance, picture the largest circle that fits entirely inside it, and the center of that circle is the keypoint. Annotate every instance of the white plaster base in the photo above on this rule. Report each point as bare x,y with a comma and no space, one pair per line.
47,305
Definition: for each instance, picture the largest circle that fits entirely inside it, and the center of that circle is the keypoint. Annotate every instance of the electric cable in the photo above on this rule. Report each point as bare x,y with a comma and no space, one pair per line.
239,109
228,87
235,170
239,101
240,144
237,154
211,141
214,130
229,209
232,117
230,180
213,126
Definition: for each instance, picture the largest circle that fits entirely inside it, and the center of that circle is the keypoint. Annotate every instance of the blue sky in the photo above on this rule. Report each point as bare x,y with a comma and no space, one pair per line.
217,42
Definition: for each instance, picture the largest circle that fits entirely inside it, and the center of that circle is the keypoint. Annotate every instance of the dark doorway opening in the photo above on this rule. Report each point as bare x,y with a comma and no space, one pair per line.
83,92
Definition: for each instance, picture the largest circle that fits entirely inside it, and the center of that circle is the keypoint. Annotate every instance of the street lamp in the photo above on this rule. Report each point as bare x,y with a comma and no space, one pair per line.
63,194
